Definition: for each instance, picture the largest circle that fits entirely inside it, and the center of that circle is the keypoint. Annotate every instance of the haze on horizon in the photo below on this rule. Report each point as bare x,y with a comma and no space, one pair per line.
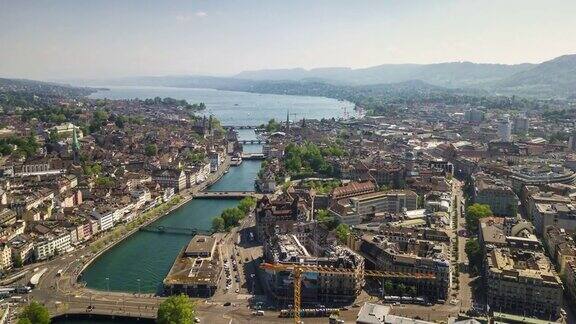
51,39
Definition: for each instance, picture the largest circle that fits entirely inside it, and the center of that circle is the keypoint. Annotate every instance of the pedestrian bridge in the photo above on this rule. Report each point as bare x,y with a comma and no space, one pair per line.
173,230
227,194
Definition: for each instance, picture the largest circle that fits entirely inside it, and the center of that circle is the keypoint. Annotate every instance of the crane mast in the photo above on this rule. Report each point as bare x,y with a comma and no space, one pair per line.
299,269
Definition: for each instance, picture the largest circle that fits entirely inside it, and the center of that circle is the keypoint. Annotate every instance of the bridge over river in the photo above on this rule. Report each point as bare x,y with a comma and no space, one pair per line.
174,230
228,194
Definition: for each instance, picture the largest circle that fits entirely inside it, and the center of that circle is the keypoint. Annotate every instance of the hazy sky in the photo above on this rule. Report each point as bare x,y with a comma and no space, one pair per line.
91,38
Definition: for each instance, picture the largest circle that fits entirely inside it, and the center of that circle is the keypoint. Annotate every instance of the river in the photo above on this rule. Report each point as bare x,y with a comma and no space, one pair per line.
141,262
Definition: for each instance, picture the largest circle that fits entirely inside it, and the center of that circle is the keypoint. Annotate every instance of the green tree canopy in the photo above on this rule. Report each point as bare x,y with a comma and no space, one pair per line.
324,217
272,126
473,214
151,149
475,256
232,217
176,310
18,261
342,232
401,288
246,204
388,287
308,158
218,224
35,314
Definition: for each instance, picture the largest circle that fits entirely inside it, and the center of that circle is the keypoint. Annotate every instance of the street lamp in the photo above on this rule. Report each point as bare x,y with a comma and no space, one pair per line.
138,285
108,284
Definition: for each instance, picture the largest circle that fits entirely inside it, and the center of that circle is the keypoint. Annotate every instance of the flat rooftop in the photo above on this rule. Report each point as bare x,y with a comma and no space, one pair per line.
196,270
200,245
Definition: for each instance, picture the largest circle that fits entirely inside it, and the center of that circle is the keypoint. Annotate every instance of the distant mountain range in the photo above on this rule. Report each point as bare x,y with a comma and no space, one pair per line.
554,78
551,79
456,74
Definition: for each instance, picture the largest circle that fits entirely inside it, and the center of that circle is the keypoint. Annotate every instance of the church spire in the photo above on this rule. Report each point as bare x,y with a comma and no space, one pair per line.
75,142
75,145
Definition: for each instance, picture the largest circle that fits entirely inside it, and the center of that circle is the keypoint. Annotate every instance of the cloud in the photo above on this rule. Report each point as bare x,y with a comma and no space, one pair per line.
184,18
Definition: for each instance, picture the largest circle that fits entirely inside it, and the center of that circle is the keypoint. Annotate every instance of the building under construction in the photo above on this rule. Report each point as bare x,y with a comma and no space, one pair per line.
316,287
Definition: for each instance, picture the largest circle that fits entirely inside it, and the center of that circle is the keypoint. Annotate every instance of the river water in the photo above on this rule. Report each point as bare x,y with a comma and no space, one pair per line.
141,262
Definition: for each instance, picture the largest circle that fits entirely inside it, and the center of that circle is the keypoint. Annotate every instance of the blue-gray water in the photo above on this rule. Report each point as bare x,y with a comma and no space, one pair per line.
148,256
239,108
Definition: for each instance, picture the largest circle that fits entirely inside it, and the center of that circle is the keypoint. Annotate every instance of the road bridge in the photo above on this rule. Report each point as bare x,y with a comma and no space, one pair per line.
240,127
253,141
227,194
100,304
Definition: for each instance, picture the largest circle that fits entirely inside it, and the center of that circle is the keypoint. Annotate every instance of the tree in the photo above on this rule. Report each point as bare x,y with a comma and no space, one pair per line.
18,261
325,218
35,314
273,126
232,217
53,136
151,149
388,287
401,288
475,255
120,121
176,310
342,232
247,204
412,291
24,321
474,213
218,224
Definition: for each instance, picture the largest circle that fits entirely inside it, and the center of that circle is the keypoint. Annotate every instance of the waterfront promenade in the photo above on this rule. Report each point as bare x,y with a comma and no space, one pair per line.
60,290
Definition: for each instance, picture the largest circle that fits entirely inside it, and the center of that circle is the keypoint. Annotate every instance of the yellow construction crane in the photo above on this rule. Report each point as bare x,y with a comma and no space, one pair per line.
298,269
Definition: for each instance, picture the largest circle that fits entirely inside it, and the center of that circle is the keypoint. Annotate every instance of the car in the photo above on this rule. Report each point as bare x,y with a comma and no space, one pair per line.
237,290
227,303
196,320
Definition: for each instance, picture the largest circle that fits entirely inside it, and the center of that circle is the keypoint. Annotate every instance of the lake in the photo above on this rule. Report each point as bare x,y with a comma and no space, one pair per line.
239,108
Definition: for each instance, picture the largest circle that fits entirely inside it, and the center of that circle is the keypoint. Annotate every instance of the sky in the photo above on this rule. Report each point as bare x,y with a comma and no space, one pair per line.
51,39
